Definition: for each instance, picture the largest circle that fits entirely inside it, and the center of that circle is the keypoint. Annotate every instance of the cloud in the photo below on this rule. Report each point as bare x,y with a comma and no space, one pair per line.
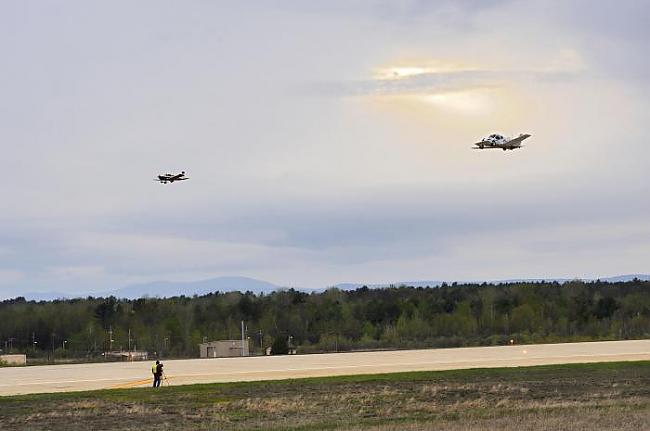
325,141
440,76
76,272
9,276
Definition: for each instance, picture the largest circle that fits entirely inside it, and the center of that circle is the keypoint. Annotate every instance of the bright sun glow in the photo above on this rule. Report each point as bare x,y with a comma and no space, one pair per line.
471,101
449,89
402,72
419,68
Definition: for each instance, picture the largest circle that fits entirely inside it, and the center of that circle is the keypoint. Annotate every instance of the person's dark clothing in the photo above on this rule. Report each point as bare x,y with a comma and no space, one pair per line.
158,376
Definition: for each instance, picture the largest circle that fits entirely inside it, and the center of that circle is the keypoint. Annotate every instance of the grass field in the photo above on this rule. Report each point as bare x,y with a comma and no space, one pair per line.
607,396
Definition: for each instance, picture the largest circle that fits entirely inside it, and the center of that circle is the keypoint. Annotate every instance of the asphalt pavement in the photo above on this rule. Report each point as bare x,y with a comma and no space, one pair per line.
81,377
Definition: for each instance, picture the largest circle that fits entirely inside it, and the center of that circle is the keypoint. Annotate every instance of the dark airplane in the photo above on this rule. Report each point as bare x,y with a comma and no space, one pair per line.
170,178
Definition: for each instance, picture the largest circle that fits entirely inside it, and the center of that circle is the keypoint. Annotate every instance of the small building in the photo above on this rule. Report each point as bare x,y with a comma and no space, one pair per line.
292,351
223,349
20,359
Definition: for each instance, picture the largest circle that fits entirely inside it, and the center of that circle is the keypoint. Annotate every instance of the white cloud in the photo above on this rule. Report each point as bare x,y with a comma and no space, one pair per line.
9,276
302,189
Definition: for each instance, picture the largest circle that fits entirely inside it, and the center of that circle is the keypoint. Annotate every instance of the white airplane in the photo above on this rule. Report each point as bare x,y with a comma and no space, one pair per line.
170,178
500,141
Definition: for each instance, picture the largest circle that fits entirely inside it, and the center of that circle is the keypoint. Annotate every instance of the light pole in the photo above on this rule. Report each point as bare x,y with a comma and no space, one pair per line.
63,344
52,339
110,338
242,338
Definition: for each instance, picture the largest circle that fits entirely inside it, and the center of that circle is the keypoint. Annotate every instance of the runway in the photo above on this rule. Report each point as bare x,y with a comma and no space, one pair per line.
81,377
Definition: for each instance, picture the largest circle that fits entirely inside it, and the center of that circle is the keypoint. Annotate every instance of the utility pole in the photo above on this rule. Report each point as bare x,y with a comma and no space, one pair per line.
242,338
166,343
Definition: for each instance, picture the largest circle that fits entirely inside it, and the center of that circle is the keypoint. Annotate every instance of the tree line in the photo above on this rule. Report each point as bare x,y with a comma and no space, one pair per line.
333,320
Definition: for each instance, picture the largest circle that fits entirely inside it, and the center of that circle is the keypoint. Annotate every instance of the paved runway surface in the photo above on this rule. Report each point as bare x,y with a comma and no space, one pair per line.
79,377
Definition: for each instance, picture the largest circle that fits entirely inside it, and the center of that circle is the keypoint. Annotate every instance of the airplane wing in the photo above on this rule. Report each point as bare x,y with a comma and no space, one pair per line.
516,142
178,176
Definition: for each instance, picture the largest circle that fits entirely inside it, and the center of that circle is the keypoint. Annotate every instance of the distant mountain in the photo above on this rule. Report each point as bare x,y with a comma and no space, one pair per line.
166,289
170,288
243,284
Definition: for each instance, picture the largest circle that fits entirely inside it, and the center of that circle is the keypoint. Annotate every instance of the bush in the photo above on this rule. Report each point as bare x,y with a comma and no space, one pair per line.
280,346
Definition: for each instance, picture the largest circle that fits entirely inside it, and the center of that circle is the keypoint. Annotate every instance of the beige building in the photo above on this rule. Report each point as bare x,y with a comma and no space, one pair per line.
13,359
223,349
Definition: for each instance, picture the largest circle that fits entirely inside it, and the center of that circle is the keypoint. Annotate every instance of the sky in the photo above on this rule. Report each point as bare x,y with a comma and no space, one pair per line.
325,141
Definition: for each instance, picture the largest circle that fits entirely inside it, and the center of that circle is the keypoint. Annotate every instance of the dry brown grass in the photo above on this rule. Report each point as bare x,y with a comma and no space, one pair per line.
588,398
589,419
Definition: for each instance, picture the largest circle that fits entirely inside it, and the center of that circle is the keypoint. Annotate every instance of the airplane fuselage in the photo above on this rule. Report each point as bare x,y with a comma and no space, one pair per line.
169,178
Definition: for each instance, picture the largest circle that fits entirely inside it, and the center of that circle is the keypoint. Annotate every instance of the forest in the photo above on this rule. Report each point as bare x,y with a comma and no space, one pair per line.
331,320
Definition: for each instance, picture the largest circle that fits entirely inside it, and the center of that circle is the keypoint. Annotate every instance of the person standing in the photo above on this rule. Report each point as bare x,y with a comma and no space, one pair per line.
156,369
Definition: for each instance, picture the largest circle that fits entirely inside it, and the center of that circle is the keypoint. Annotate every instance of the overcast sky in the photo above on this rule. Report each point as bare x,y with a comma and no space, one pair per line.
326,141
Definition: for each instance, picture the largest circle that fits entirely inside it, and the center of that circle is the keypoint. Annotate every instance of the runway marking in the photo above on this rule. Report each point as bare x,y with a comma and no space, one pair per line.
148,381
131,384
65,381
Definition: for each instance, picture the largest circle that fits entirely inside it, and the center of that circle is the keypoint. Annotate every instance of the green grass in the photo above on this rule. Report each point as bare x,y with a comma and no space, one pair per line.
489,398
